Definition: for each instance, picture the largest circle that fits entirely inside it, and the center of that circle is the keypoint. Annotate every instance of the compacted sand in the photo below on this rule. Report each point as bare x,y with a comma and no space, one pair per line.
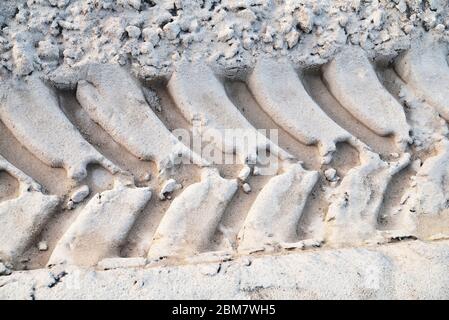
265,149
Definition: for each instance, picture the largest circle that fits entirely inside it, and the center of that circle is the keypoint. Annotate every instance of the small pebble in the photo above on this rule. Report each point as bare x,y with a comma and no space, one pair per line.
168,187
80,194
42,246
133,31
331,174
244,173
70,205
246,188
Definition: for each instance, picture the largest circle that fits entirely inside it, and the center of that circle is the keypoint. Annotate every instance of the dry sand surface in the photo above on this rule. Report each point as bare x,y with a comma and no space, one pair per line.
117,116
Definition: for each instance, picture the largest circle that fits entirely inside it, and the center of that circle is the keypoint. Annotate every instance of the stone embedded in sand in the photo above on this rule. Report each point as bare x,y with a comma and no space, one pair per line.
246,188
80,194
168,187
331,174
42,246
244,173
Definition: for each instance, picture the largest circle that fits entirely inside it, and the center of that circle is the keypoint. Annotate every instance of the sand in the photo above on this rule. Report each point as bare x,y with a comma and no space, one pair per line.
130,139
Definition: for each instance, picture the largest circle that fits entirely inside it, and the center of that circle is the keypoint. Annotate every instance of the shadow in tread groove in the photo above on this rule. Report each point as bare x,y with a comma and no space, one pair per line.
141,234
317,89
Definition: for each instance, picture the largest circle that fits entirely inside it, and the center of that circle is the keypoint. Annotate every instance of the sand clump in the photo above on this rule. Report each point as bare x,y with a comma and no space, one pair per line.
151,36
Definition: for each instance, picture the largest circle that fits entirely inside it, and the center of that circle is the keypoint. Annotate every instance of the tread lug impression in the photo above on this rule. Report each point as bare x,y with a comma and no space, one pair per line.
22,218
280,93
275,214
102,227
31,112
192,219
425,69
202,100
114,100
352,216
200,96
